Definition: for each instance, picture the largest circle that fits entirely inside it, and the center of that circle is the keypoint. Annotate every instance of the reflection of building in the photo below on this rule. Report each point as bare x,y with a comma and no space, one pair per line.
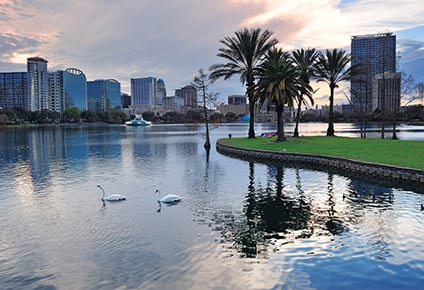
103,95
13,90
37,83
189,93
67,89
377,54
386,92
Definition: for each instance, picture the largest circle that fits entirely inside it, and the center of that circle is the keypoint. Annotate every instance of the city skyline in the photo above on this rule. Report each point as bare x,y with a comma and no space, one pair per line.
171,40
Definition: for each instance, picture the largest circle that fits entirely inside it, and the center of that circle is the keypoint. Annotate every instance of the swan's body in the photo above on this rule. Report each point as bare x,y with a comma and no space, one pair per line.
169,198
112,197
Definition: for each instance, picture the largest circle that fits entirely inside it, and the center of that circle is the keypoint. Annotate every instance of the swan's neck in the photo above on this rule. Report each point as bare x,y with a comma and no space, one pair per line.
103,192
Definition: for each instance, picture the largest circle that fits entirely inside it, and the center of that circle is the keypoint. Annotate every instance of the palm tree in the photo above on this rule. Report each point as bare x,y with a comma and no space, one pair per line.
331,68
279,84
305,62
243,52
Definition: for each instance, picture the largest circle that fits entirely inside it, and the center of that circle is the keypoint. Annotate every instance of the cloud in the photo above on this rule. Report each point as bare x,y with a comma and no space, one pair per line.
172,39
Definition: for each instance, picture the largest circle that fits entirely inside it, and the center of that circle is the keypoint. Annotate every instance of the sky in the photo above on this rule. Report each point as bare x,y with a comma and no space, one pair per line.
173,39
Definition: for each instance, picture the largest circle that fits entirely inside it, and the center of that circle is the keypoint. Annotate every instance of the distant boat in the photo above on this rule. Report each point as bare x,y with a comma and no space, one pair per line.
138,121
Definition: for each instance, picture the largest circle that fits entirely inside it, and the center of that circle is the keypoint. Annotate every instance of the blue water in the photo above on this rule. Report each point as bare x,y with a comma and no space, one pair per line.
240,225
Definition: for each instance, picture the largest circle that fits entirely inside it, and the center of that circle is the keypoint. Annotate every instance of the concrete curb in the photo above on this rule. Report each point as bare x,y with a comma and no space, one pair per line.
352,166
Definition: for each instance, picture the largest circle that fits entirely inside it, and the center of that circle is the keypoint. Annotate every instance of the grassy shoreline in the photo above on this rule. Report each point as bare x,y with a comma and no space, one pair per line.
402,153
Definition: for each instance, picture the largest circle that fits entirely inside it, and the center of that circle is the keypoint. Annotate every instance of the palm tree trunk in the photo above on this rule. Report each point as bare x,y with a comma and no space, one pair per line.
280,125
250,96
296,127
330,130
252,120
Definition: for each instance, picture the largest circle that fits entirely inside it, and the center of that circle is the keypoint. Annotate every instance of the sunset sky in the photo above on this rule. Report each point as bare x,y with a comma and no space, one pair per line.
172,39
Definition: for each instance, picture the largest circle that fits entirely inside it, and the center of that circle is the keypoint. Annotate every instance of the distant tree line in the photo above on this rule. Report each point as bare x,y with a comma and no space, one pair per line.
19,116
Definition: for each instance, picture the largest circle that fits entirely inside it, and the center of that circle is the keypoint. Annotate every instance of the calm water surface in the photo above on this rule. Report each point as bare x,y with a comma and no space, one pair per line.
241,224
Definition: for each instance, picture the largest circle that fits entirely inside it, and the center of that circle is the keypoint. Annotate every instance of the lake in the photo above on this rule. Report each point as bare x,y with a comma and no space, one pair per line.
240,224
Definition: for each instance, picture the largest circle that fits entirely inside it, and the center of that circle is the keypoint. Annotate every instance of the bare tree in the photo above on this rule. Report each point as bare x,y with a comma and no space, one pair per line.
201,83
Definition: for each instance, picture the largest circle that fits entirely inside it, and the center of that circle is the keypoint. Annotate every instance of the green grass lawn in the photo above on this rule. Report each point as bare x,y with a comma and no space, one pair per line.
404,153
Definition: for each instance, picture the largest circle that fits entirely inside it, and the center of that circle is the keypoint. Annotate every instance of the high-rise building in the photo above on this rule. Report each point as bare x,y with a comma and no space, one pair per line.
386,92
14,90
56,92
103,95
143,91
237,100
160,92
75,87
189,93
125,100
37,83
67,89
376,54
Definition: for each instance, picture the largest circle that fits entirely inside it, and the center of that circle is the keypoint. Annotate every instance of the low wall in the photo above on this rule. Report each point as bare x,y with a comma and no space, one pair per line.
349,165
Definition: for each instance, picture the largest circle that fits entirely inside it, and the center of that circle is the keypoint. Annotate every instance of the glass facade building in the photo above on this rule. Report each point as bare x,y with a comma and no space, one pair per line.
75,89
160,92
67,89
376,53
103,95
143,91
14,90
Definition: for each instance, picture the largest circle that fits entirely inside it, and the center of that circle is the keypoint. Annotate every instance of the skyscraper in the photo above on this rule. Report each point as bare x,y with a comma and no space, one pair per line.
67,89
189,93
143,91
14,90
37,83
160,92
376,53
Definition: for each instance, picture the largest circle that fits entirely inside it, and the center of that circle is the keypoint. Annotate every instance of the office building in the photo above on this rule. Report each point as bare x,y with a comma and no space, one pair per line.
14,90
103,95
237,100
189,93
143,91
386,92
67,89
376,54
37,84
173,104
125,100
160,92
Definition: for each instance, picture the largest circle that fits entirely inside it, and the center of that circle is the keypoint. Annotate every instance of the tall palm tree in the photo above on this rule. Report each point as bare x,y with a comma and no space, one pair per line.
305,61
332,68
243,52
279,84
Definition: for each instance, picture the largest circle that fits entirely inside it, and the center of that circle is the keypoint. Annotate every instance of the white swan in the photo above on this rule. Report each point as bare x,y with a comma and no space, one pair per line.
112,197
169,198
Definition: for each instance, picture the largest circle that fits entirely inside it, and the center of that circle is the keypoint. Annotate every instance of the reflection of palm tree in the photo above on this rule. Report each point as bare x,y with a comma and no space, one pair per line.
243,53
269,212
333,224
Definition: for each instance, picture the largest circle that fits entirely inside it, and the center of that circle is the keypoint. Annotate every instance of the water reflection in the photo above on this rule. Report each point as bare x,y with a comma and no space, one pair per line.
281,211
241,224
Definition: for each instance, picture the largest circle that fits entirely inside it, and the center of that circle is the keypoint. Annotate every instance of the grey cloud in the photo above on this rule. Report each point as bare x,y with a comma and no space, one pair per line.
10,43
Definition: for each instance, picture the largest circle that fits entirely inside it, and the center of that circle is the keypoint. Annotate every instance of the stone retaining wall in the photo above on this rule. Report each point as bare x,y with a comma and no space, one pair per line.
352,166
